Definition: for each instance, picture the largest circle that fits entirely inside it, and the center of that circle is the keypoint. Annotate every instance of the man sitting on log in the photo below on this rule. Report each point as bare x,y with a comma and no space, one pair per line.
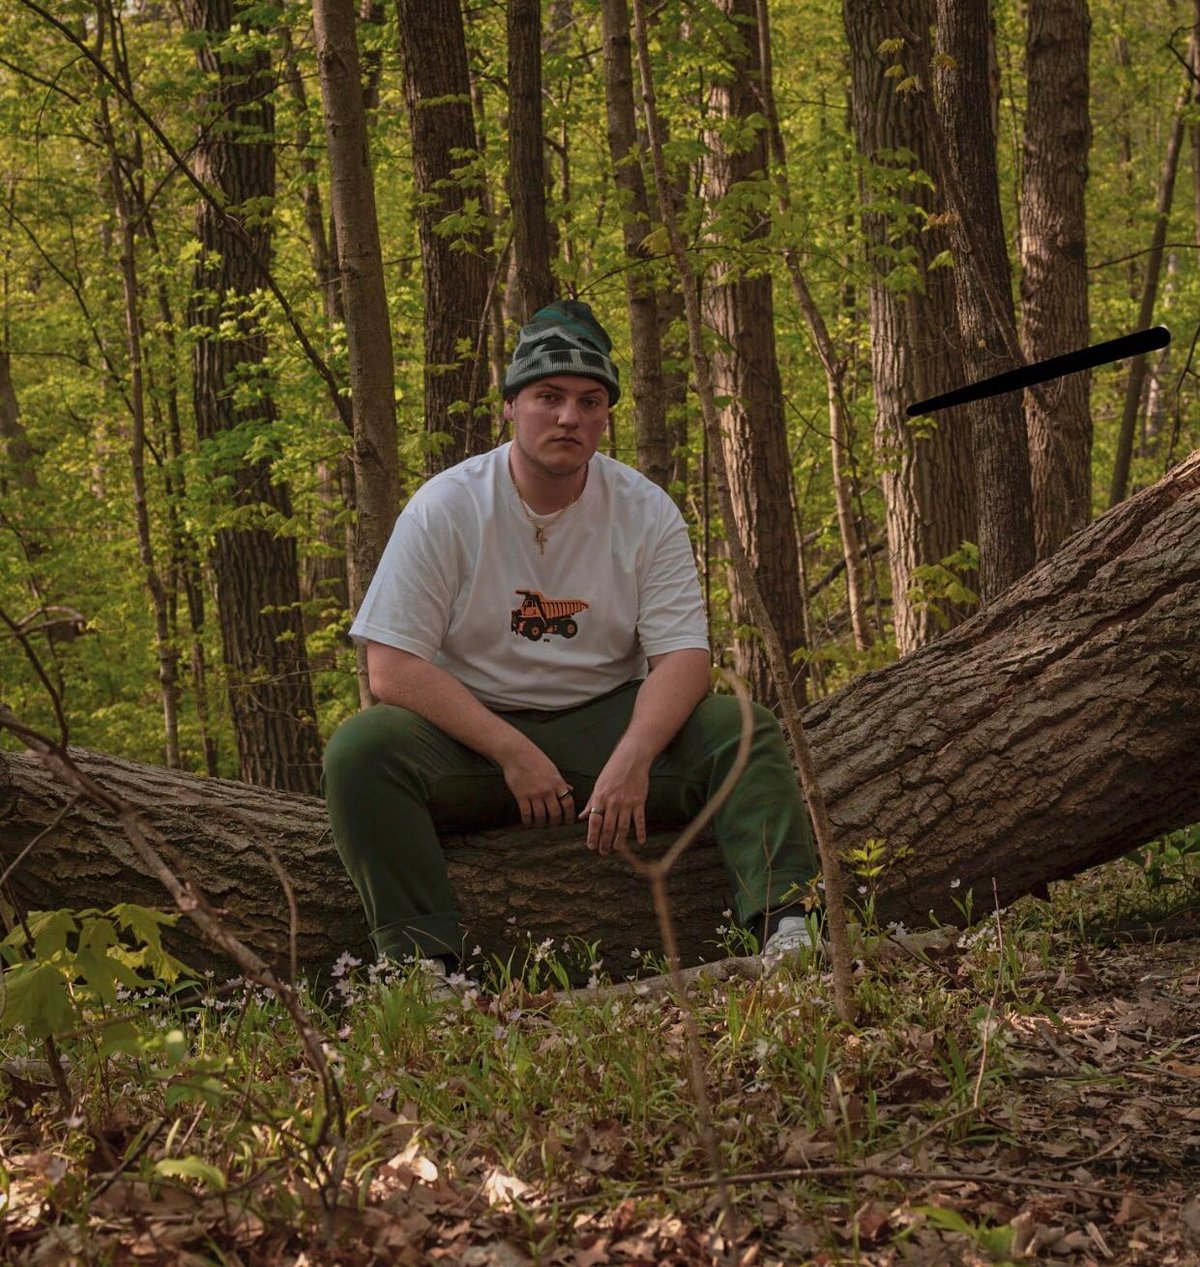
537,642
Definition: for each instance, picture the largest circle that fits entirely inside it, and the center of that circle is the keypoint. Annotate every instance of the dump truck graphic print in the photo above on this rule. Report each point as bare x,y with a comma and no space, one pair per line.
539,615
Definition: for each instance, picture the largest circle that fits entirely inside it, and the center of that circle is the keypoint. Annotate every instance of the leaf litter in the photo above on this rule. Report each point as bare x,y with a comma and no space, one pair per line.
1050,1118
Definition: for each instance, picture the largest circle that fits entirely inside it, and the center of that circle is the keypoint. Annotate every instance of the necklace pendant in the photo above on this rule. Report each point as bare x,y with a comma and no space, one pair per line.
539,535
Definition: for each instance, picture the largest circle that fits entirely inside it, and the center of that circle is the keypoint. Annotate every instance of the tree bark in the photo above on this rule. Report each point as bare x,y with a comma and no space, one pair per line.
19,465
328,571
1135,384
454,264
927,473
647,382
1055,730
534,283
740,307
364,297
1054,299
256,570
984,297
834,364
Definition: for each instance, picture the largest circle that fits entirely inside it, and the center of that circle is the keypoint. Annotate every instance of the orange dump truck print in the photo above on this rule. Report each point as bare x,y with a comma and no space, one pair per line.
539,615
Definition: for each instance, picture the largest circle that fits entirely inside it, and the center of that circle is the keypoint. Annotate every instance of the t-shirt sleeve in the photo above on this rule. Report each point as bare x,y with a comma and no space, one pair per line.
670,606
410,599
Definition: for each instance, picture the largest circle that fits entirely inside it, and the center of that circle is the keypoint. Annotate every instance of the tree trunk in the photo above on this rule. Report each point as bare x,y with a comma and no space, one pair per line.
927,473
364,297
984,297
740,307
438,90
18,459
1054,300
834,365
1135,384
1055,730
256,570
534,282
647,382
327,571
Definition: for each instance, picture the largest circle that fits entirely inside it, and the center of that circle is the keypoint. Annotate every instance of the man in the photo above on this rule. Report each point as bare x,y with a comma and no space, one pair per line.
537,642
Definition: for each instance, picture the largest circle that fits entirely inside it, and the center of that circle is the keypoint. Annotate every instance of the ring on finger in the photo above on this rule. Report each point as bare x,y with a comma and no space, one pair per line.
595,811
562,796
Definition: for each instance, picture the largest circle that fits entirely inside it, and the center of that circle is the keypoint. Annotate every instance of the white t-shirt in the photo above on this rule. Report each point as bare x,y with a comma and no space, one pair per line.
462,583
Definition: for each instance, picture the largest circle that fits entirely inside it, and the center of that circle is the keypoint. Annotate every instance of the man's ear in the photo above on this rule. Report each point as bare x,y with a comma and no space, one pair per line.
508,410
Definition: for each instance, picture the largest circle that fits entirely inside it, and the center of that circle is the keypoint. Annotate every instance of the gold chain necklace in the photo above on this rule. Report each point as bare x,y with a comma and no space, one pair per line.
539,529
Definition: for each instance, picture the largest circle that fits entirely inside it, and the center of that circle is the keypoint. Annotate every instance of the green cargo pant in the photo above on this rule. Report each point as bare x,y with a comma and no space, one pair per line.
393,780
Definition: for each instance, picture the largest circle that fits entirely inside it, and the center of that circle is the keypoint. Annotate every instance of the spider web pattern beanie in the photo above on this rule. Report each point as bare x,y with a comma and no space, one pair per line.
562,338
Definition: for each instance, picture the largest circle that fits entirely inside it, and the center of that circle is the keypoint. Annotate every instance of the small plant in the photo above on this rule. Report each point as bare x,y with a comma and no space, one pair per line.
1165,860
63,966
934,585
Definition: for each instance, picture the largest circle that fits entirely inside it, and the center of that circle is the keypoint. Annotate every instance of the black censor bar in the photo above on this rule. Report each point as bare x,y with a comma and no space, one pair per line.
1135,344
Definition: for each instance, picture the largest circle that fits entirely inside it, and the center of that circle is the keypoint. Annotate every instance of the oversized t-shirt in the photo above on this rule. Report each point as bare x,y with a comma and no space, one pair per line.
462,583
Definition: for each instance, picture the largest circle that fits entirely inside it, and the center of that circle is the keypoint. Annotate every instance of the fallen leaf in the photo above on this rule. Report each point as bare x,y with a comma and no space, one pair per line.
1133,1210
502,1190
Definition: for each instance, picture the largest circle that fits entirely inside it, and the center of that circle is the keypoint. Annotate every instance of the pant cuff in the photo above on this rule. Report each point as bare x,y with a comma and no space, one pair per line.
424,936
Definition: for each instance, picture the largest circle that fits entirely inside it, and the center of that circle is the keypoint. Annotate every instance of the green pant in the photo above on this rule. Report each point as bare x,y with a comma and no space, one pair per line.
393,780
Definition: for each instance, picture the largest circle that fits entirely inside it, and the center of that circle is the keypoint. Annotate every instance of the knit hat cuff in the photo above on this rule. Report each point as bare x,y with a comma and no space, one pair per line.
563,338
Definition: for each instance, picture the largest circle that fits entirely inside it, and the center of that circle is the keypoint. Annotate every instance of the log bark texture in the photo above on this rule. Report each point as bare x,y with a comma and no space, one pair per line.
1057,729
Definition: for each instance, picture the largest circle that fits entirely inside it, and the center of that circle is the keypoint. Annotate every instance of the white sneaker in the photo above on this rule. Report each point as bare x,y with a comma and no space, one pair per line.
794,934
443,985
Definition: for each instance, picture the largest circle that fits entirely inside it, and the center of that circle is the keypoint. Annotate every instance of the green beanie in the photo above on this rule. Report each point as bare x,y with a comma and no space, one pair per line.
562,338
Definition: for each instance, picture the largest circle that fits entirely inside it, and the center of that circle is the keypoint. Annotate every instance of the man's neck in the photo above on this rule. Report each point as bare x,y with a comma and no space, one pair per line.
544,491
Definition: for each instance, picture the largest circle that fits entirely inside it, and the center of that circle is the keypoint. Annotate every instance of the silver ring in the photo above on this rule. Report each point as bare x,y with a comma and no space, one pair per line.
595,811
562,795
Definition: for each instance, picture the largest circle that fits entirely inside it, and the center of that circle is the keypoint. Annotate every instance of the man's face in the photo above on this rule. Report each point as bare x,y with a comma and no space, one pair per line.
558,421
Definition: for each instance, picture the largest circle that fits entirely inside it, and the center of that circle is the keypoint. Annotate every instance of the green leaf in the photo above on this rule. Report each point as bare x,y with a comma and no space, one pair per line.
121,1036
37,997
191,1167
50,931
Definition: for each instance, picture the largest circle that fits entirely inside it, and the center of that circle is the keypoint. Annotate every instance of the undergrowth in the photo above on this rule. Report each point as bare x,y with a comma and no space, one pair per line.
516,1113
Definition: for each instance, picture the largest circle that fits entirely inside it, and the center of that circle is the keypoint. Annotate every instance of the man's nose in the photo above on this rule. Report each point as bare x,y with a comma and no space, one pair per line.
568,413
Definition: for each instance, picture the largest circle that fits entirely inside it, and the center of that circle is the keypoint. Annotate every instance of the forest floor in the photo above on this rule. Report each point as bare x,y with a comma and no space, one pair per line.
1026,1091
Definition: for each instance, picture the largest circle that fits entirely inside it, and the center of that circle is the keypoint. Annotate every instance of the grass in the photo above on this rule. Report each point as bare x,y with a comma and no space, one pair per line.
534,1128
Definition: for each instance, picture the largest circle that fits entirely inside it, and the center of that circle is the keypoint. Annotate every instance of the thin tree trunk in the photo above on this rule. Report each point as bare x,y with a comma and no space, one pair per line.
364,295
833,364
984,298
746,372
165,649
18,452
328,570
1135,384
1054,299
454,266
184,566
648,387
256,570
927,474
534,282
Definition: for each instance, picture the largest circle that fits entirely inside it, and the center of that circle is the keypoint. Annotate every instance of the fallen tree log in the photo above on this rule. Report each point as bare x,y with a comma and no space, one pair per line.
1055,730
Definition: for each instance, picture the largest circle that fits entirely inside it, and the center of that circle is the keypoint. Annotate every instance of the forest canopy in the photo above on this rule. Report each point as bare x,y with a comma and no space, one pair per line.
181,463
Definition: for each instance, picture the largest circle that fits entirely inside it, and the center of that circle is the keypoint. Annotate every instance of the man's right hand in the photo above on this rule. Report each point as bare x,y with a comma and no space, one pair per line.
543,796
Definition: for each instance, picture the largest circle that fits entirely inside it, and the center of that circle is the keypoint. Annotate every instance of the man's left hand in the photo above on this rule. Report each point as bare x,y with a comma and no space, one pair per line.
617,803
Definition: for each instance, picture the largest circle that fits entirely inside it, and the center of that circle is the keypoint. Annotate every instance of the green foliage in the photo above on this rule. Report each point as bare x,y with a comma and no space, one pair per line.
71,540
62,965
936,585
1165,860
